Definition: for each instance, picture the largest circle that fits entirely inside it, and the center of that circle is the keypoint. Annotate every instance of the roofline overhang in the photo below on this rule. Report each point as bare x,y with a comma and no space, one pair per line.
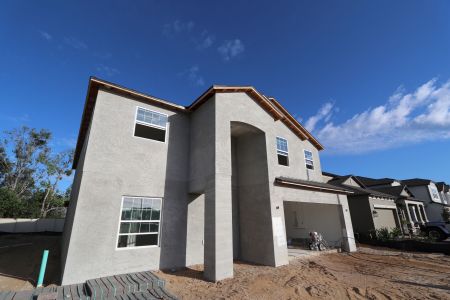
314,187
269,104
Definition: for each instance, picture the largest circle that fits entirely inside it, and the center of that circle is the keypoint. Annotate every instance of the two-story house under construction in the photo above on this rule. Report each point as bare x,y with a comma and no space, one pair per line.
160,185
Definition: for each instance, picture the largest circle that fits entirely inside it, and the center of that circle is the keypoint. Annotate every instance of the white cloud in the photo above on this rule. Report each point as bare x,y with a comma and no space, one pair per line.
405,118
231,48
206,40
177,26
75,43
45,35
193,75
66,142
324,113
21,119
106,70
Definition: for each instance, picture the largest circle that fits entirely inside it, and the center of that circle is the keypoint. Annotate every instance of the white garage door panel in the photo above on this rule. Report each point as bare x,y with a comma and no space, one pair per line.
385,218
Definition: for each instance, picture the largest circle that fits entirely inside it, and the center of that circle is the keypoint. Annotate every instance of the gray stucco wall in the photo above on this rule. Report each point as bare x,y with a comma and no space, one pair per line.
253,200
192,172
118,164
195,229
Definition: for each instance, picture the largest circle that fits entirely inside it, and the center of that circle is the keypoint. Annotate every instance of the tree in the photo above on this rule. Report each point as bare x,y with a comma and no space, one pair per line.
55,168
30,174
10,204
28,147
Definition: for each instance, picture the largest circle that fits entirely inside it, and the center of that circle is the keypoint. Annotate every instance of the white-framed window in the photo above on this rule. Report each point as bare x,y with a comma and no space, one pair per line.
150,124
309,161
139,222
434,194
282,151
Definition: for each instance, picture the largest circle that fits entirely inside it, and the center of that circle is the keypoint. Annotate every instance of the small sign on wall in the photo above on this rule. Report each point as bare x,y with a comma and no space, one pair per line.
278,231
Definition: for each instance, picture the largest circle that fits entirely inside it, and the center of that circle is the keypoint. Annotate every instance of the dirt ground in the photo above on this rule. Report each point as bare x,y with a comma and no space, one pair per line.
371,273
368,274
20,260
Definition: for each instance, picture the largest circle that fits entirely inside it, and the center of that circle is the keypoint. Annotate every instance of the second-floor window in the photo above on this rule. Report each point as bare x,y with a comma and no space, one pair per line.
309,161
150,124
282,152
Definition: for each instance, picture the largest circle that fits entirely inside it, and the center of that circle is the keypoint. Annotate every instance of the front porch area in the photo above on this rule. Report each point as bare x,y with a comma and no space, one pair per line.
412,214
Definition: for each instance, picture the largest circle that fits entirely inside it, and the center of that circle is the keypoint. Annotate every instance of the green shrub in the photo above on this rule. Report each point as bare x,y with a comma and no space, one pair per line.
383,234
10,204
396,232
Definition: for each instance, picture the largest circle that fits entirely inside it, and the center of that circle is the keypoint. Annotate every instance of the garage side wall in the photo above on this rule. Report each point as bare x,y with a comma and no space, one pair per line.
361,214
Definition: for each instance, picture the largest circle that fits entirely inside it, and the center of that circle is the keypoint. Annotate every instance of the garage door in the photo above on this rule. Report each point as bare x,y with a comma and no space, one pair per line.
385,218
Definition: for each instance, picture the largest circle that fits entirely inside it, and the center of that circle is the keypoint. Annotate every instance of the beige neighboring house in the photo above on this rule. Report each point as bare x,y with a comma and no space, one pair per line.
370,210
411,209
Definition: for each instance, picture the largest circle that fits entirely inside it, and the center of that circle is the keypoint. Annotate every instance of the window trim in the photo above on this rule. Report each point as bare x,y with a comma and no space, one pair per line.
150,125
117,248
282,152
311,160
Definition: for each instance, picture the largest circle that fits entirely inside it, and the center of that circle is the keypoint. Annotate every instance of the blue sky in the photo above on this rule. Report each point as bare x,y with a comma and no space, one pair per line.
369,78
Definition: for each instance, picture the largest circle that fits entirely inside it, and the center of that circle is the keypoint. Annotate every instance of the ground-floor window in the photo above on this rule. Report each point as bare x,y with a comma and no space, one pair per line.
139,222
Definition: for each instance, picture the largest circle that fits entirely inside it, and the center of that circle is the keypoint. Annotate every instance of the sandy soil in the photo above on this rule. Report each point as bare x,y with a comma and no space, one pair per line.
20,260
368,274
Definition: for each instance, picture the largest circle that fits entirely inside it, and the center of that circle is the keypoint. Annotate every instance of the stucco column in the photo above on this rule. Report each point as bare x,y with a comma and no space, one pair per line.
420,219
422,211
218,248
348,238
410,220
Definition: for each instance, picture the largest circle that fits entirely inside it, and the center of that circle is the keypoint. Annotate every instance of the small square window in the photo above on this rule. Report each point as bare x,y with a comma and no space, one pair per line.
309,162
282,151
150,125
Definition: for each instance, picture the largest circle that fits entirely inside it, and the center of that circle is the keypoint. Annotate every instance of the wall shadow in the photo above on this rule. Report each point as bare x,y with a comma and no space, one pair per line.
174,212
21,255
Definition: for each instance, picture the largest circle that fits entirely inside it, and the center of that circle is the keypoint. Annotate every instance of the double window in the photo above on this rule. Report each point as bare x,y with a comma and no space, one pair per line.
139,222
150,125
309,161
282,151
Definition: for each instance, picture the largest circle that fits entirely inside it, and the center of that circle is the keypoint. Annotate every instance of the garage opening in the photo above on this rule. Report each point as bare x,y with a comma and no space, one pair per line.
302,218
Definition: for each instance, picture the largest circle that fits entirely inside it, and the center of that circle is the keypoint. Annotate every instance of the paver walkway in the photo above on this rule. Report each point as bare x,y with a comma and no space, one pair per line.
142,285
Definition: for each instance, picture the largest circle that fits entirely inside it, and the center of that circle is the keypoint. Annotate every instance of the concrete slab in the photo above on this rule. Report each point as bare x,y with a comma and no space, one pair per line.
297,253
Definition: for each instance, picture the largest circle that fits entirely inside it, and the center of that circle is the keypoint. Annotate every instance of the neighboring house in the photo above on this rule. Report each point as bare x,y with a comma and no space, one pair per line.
444,192
160,185
427,191
370,210
411,210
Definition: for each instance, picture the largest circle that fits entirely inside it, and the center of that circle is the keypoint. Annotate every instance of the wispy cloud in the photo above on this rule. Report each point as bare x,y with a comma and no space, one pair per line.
404,119
324,113
21,119
75,43
193,75
66,142
230,49
177,26
205,41
106,70
45,35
